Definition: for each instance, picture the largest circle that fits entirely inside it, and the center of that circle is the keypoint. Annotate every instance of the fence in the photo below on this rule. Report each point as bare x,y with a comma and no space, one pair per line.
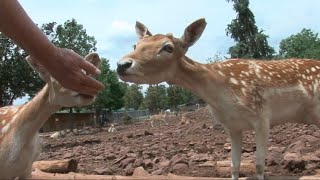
60,121
118,116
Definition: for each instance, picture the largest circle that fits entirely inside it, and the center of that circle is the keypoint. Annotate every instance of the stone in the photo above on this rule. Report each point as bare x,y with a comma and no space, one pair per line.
68,155
103,171
124,163
179,166
157,172
148,133
129,169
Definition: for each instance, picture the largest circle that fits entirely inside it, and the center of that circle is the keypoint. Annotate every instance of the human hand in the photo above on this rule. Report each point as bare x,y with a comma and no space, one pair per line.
66,67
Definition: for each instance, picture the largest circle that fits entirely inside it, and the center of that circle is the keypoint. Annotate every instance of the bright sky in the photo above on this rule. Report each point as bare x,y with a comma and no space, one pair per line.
112,22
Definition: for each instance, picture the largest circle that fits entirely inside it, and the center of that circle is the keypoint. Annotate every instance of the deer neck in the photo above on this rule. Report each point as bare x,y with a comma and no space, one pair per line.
203,80
34,114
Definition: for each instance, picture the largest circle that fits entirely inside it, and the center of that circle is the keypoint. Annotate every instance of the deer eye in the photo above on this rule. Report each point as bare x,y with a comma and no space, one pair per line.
168,48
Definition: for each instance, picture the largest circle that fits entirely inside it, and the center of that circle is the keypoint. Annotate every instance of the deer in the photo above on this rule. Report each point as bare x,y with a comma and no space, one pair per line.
112,128
162,116
19,125
243,94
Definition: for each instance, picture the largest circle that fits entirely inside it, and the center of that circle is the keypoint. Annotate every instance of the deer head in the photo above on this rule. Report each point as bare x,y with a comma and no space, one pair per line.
59,95
155,58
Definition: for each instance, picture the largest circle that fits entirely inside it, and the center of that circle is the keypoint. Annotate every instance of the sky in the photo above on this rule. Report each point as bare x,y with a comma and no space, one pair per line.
112,22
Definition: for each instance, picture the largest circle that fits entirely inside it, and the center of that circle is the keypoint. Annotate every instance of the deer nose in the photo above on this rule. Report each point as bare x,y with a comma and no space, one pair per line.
123,66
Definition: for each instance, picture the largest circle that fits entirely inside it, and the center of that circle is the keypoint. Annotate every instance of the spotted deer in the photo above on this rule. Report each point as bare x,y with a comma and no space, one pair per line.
162,116
243,94
19,125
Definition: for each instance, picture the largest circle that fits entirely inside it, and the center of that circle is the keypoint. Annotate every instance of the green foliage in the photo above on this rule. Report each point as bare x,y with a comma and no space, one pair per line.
112,96
70,35
217,57
155,98
305,44
17,79
133,97
250,42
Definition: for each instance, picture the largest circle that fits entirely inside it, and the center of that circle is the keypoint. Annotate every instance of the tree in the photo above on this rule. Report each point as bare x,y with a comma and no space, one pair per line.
111,97
155,98
70,35
250,42
305,44
133,97
174,96
17,79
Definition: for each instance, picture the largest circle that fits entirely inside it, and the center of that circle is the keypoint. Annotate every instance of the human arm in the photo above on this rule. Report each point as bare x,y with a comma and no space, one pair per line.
63,64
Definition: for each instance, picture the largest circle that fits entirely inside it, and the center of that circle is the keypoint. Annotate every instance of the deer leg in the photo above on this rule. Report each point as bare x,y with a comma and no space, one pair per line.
165,121
262,135
236,150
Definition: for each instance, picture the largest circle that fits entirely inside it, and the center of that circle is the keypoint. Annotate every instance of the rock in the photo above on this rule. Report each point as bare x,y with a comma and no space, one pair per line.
311,157
227,147
99,158
179,166
111,156
292,156
147,133
200,158
68,155
124,163
124,151
138,162
148,163
293,161
204,126
129,135
103,171
157,172
277,149
164,164
139,171
310,138
129,169
132,155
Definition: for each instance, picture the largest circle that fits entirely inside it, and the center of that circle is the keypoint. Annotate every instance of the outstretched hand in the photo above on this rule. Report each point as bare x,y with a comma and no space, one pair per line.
66,67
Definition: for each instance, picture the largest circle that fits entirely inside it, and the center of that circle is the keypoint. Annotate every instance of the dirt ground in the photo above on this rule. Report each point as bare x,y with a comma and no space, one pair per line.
293,149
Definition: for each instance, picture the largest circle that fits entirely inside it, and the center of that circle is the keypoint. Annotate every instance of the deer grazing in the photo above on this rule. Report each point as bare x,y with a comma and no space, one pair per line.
162,116
19,125
243,94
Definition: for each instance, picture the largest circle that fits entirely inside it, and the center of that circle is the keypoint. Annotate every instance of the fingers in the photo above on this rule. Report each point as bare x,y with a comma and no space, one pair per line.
90,68
90,86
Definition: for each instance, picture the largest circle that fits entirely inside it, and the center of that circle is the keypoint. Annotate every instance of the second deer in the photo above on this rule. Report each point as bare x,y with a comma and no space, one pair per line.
243,94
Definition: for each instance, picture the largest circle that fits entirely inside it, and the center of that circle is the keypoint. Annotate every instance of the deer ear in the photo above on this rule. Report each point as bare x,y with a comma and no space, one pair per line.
36,66
93,58
193,32
141,30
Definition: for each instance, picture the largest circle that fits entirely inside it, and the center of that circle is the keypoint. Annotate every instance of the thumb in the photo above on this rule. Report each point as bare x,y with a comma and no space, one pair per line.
90,68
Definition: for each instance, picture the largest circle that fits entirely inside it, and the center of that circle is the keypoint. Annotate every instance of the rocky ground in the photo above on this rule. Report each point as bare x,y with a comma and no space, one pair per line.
182,149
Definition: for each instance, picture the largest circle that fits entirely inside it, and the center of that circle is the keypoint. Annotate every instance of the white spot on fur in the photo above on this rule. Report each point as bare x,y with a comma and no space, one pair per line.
221,73
243,91
5,129
313,69
234,81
